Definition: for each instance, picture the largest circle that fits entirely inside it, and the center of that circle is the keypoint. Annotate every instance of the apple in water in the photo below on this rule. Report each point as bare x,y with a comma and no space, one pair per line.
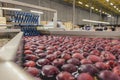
78,56
29,64
69,68
49,70
74,61
65,76
94,58
108,75
85,76
86,61
58,62
88,68
33,71
28,52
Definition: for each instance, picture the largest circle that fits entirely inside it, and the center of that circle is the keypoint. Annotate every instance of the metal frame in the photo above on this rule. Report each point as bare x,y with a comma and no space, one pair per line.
7,66
33,6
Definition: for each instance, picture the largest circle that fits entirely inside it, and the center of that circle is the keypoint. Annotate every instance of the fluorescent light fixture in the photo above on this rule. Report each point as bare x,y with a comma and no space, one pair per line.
99,10
111,4
92,21
117,9
114,6
92,7
11,9
80,2
38,12
107,0
87,5
96,9
103,12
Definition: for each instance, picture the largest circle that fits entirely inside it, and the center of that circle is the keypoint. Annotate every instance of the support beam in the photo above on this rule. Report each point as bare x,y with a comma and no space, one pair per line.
27,5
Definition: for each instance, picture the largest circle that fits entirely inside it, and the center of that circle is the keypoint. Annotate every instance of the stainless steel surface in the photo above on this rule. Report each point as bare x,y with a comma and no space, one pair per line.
8,51
8,69
105,34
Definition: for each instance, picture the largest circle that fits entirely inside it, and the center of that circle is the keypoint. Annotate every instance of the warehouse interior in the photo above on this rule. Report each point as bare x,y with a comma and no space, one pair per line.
59,40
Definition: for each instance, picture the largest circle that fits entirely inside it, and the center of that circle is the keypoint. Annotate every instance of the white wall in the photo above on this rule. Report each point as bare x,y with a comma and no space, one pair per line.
64,11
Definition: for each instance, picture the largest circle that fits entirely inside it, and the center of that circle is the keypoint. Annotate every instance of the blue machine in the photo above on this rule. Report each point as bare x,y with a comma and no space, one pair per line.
28,22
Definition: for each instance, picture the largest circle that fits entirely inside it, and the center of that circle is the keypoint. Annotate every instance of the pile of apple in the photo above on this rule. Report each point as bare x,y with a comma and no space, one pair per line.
51,57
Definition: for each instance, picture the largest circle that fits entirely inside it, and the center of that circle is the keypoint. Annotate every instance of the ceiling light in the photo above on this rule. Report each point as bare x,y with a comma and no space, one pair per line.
96,9
107,0
117,9
87,5
80,2
114,6
11,9
86,20
92,7
99,10
103,12
38,12
111,4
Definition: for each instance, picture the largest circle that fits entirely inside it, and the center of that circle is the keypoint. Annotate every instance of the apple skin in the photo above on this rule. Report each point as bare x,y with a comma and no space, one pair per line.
88,68
94,58
101,65
58,62
69,68
78,56
33,71
85,76
30,64
28,52
74,61
86,61
65,56
116,70
31,57
65,76
108,75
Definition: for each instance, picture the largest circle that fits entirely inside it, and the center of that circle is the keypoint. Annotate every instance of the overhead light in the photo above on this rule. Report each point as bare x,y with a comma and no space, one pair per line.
80,2
117,9
92,7
38,12
103,12
107,0
96,9
99,10
86,20
11,9
87,5
111,4
114,6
